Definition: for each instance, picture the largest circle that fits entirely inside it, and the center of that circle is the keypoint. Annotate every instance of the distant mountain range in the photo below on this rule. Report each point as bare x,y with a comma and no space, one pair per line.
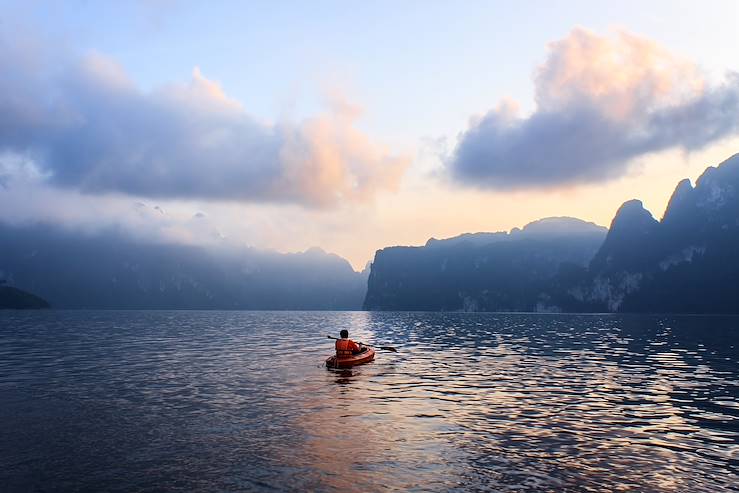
481,271
686,263
110,270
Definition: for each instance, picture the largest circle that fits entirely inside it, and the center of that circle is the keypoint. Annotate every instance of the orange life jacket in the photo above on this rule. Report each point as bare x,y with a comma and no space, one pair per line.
346,347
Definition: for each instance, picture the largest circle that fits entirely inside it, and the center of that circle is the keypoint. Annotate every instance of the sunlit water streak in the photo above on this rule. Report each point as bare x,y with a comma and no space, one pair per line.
203,401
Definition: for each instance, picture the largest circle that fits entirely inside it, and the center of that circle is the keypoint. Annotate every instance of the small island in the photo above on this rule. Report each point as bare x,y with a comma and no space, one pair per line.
14,298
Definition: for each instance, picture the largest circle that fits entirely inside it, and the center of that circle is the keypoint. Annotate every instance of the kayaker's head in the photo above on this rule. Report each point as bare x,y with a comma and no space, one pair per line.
344,334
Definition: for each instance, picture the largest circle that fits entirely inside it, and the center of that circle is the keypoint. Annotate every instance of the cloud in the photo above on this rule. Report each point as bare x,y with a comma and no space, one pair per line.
84,125
600,103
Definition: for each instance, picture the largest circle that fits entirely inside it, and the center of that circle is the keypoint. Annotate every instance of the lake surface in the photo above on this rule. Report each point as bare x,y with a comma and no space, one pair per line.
233,401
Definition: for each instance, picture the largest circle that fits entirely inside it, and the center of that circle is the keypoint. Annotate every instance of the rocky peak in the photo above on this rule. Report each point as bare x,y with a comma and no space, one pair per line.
717,193
633,229
682,199
632,217
557,226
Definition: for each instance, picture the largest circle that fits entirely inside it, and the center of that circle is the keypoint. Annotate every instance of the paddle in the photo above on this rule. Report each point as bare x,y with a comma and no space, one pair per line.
386,348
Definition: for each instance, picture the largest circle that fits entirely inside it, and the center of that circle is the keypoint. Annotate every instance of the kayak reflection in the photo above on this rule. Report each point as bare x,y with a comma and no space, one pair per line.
344,377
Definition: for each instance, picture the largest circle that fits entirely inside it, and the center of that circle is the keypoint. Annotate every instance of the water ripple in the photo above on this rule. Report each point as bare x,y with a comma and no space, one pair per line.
202,401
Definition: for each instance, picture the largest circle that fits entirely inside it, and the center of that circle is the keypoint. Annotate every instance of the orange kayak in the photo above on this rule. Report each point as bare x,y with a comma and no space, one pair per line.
348,361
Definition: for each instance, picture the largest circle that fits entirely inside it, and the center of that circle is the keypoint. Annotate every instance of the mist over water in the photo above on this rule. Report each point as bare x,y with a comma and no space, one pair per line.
202,401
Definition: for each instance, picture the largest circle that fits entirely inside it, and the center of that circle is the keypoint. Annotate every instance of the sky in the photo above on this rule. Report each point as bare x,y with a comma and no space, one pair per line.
356,125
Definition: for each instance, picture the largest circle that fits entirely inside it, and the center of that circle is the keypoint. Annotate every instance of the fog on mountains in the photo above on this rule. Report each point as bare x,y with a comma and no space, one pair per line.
110,270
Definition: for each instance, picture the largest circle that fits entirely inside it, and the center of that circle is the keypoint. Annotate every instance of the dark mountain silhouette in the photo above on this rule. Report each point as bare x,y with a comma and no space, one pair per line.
13,298
685,263
112,271
481,271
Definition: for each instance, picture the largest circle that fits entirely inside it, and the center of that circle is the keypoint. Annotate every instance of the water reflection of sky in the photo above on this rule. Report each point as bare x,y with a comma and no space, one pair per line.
496,402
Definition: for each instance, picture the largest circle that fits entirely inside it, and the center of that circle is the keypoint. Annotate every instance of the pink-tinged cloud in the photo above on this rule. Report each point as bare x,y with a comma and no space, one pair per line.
84,125
600,102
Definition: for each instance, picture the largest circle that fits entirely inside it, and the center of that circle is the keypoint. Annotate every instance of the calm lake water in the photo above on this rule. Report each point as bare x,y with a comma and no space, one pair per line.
233,401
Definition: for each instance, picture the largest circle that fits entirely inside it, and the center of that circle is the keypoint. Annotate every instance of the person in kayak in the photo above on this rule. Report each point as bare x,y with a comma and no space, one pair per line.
345,346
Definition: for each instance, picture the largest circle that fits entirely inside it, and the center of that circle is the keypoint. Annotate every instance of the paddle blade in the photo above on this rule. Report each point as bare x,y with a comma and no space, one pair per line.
389,348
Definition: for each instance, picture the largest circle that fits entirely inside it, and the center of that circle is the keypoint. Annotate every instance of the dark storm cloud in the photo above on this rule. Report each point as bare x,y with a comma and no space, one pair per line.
84,125
600,103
